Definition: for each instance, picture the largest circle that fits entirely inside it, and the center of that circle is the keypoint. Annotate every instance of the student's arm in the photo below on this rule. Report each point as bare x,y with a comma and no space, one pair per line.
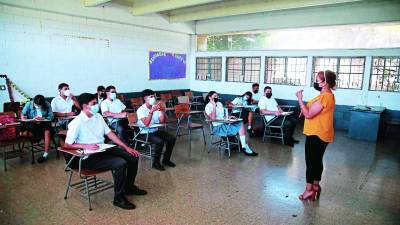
76,103
264,110
24,113
211,111
72,135
147,120
114,138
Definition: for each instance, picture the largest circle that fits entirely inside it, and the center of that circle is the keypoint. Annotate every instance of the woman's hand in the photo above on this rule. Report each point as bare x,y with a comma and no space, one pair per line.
299,95
232,117
133,152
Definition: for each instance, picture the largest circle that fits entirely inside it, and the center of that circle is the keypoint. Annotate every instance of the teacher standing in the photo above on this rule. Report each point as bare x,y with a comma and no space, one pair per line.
318,128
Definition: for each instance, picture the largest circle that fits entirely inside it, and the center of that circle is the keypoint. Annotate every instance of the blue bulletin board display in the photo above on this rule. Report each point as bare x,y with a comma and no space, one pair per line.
163,65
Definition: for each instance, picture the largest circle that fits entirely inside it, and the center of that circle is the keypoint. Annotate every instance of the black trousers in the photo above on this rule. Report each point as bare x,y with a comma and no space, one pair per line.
288,127
123,165
161,138
314,149
38,129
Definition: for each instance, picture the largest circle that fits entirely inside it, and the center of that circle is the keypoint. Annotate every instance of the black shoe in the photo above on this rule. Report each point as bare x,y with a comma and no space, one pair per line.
135,191
289,143
249,154
123,203
42,159
158,166
295,141
169,163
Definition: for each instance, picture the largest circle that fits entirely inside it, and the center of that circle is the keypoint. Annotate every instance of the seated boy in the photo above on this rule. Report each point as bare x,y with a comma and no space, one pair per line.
86,131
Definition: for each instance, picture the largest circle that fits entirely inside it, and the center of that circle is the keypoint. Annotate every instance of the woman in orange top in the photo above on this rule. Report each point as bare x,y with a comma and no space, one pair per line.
318,128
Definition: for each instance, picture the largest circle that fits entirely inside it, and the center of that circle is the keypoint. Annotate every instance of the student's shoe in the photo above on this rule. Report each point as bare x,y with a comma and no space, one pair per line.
42,159
123,203
158,166
135,191
169,163
295,141
289,143
249,154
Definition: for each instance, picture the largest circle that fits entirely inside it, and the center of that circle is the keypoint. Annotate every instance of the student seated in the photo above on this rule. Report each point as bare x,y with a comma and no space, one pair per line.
245,114
113,109
63,103
255,92
38,109
86,131
269,107
215,111
101,94
152,112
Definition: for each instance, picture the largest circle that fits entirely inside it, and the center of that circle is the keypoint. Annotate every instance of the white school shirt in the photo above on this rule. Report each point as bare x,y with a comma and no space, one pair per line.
269,104
115,106
61,105
239,101
143,112
219,112
85,130
257,96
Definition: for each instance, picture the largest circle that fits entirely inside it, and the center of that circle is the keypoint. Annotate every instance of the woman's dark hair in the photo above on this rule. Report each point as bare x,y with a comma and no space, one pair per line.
248,93
85,98
330,77
207,100
39,100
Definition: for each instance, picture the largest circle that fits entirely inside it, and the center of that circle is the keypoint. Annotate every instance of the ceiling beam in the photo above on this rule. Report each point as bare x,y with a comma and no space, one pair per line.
89,3
141,7
239,7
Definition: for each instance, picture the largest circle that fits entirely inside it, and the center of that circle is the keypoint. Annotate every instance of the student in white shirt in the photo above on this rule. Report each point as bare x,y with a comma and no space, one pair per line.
215,111
101,95
87,131
270,109
62,104
113,109
152,112
245,114
256,93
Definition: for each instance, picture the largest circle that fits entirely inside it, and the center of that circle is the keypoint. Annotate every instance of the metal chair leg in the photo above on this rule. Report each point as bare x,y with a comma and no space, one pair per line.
5,159
68,185
88,193
33,153
204,136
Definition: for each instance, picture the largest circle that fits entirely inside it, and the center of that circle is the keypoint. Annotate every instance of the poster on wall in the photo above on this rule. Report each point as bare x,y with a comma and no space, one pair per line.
163,65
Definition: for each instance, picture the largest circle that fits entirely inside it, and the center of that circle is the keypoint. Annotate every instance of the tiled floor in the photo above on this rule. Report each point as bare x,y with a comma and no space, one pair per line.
361,185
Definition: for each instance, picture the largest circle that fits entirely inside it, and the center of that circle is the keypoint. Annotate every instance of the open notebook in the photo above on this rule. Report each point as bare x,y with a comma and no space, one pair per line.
102,148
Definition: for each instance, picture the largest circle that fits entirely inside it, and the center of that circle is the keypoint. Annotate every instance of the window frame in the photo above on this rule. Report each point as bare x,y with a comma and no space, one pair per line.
209,67
285,73
372,70
243,69
338,71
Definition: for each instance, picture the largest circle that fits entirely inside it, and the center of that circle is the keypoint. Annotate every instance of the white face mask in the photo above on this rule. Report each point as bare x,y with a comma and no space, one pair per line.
67,93
37,106
152,101
113,96
245,98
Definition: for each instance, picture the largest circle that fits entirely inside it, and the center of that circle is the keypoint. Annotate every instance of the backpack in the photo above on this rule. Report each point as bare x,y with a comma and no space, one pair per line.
9,133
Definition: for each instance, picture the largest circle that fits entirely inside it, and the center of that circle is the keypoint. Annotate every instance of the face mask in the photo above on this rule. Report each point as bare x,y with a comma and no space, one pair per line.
37,106
216,100
245,98
152,100
255,91
268,95
317,87
94,109
67,93
113,96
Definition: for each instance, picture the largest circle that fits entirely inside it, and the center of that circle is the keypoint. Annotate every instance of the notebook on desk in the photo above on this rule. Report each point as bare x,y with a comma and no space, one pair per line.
102,148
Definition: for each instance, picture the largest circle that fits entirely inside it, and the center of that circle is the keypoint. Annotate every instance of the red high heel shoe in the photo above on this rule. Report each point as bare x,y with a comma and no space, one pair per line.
317,189
311,196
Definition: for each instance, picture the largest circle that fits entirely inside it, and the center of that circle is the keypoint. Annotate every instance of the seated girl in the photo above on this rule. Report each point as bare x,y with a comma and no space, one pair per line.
215,111
245,114
38,109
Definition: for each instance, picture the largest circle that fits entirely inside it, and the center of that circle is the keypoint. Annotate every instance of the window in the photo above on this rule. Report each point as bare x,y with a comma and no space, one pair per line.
243,69
349,70
208,68
360,36
285,70
385,74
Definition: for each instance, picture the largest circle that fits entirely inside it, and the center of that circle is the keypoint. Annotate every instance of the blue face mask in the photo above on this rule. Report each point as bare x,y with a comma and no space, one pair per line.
94,109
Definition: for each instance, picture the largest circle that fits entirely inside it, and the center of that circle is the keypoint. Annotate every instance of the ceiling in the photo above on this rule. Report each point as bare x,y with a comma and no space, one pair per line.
194,10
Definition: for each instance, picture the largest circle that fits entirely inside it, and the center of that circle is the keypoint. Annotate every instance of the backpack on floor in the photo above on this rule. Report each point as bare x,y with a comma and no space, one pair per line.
9,133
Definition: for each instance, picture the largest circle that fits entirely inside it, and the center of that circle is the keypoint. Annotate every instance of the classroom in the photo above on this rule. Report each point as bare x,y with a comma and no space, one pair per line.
169,112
